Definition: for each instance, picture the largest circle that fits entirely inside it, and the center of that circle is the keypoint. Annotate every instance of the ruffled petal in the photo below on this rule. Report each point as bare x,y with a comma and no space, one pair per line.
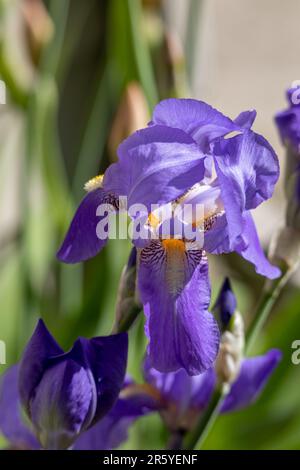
174,288
253,376
12,425
155,173
198,119
83,240
247,169
252,251
40,348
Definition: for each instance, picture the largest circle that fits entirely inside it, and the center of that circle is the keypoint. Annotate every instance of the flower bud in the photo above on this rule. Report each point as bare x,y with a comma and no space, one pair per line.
230,355
225,305
66,393
127,298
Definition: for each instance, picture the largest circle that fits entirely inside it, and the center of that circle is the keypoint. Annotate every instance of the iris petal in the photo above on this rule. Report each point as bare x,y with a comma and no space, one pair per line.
252,251
155,173
180,388
61,404
112,430
41,346
175,291
82,241
198,119
252,378
247,169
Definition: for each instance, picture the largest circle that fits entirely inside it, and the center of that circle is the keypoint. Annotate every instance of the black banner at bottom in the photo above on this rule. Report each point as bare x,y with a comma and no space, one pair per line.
133,459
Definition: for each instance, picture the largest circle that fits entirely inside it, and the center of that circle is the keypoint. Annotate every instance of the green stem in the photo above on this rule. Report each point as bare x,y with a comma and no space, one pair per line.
192,30
127,320
197,436
17,94
269,296
142,53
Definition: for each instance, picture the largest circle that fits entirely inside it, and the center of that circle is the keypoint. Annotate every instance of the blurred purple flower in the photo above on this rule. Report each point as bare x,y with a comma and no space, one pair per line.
288,121
288,124
184,397
63,394
173,161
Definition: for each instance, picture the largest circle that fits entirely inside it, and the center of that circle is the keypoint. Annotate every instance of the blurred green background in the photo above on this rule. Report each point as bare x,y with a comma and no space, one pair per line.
80,76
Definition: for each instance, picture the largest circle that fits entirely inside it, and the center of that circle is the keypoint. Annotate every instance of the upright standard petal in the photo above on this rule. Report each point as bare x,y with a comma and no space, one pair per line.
108,360
198,119
252,251
175,291
82,240
247,169
40,348
12,424
155,173
253,376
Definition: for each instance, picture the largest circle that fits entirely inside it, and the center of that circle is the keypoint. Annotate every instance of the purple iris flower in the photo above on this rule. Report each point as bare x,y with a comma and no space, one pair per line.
182,398
288,123
190,154
63,394
108,433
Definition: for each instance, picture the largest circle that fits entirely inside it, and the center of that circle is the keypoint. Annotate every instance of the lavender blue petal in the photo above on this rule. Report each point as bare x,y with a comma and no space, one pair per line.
253,377
155,173
252,251
176,295
245,119
181,389
288,123
198,119
247,169
81,241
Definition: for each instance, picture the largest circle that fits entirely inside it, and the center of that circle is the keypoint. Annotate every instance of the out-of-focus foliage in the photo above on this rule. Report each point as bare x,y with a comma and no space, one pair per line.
80,77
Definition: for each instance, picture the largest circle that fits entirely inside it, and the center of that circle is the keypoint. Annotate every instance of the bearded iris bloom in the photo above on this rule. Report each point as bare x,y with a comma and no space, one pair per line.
63,394
189,154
